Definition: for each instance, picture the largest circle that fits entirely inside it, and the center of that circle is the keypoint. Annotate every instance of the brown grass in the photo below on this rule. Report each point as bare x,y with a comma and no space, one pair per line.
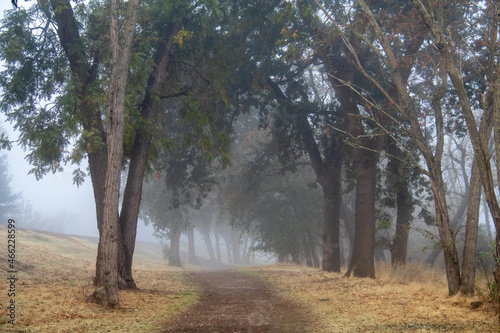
55,274
405,299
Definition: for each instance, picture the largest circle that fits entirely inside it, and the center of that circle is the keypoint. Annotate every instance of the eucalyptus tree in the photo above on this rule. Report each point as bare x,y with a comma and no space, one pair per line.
474,30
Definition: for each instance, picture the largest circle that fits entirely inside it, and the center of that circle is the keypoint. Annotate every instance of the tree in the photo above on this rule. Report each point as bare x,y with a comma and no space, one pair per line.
488,74
54,90
110,233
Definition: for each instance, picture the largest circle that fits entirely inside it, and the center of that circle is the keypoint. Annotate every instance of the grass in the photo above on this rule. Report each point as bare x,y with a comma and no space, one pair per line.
410,299
55,274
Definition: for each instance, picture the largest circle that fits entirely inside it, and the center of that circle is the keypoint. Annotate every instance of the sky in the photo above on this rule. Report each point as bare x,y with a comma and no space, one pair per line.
55,193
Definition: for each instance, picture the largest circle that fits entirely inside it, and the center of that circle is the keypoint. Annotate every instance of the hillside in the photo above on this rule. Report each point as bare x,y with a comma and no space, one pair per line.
55,272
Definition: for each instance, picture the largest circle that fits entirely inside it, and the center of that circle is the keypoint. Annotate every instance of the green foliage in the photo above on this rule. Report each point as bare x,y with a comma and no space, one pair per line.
384,224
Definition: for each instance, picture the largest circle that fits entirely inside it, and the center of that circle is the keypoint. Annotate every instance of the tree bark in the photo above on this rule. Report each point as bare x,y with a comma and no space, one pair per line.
139,155
471,229
362,261
111,232
404,204
473,208
399,245
174,258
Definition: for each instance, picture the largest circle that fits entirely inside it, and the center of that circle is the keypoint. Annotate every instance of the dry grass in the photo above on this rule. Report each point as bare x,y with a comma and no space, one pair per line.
406,299
55,274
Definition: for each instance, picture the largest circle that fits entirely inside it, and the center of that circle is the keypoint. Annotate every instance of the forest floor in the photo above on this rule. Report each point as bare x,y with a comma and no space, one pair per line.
54,274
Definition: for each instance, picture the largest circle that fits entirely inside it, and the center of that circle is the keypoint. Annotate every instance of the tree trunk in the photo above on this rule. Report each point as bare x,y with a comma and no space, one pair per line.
307,252
226,235
312,248
249,251
208,243
447,240
328,172
399,245
235,244
487,215
174,258
332,196
431,259
347,216
217,245
139,155
472,222
229,252
481,153
191,247
471,229
362,261
111,233
69,37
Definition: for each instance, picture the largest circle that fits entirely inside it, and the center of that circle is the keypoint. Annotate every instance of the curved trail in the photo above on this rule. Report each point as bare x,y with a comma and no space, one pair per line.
238,302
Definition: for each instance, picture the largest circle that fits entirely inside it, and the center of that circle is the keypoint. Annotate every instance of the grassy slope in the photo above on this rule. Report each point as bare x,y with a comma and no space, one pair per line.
55,274
411,299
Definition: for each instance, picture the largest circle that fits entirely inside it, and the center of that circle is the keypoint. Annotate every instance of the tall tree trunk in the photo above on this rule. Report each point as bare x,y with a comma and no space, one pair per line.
235,244
111,233
307,251
217,245
174,258
471,229
362,261
400,174
249,251
312,248
139,155
487,220
399,245
481,153
228,250
328,171
69,37
191,247
473,209
347,216
332,198
208,243
447,241
404,208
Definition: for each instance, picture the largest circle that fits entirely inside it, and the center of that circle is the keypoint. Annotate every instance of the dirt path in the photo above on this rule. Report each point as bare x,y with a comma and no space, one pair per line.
238,302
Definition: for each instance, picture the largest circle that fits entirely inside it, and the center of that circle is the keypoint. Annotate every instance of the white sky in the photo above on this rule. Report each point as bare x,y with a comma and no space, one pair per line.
55,193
